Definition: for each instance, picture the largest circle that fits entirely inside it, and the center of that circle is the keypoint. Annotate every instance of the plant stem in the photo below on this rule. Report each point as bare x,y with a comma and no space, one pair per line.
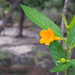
67,54
67,50
64,12
66,72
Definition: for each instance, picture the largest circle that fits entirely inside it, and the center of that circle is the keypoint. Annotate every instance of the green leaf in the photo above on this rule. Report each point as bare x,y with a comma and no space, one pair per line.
60,67
72,22
71,36
64,19
41,20
56,51
72,63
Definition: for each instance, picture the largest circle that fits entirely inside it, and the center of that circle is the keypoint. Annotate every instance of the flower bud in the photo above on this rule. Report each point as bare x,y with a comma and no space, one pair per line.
74,44
63,60
67,26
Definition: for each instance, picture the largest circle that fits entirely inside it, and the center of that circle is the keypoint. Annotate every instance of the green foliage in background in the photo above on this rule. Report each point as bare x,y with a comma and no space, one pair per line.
38,54
51,5
2,54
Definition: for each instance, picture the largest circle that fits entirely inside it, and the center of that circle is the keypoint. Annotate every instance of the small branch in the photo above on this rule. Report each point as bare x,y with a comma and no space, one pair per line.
64,12
21,21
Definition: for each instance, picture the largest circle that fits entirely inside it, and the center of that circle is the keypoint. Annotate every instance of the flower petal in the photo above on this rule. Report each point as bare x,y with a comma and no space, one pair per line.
44,33
50,32
47,42
43,40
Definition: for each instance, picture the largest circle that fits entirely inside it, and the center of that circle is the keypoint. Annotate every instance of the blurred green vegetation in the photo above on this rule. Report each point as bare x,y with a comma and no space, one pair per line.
51,8
2,54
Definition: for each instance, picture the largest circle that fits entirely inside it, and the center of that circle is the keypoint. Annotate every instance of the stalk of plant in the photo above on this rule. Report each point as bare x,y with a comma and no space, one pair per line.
67,51
51,34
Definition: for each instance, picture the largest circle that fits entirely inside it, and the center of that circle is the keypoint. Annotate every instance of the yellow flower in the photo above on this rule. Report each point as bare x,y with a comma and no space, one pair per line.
47,36
63,60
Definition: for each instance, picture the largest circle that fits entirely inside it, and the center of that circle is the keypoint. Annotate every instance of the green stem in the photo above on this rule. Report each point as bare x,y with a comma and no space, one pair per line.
67,54
66,72
67,51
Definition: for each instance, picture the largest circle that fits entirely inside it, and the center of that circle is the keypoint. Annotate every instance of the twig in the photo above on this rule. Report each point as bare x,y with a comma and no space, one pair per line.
64,12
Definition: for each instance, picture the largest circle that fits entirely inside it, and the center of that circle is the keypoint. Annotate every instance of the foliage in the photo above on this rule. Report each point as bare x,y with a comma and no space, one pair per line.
60,67
72,22
64,19
5,6
57,3
35,3
2,54
56,50
71,36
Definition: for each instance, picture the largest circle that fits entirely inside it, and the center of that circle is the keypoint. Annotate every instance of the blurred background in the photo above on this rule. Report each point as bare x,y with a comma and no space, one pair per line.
20,50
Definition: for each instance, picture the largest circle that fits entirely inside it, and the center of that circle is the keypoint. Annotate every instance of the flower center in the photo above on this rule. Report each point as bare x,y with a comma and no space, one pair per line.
51,39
